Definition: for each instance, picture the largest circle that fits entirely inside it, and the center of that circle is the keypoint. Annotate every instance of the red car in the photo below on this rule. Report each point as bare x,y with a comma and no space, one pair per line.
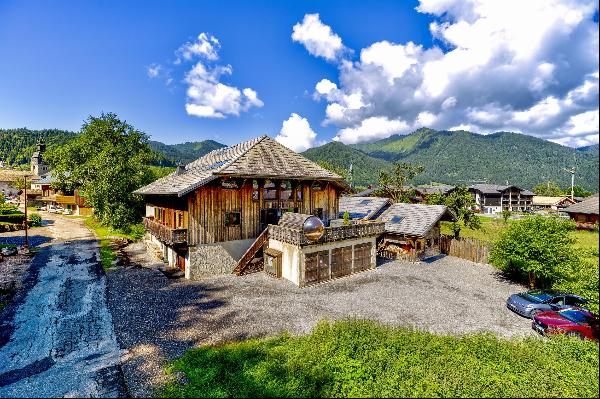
576,322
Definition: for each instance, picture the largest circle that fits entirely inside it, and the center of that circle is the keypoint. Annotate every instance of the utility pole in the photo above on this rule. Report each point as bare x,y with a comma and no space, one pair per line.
26,244
572,172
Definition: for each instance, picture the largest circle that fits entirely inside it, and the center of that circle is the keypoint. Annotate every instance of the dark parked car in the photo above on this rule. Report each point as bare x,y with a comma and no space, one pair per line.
529,303
571,321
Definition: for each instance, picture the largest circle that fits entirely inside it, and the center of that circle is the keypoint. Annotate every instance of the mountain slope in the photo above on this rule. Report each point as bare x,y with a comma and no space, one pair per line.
365,168
17,145
463,157
184,152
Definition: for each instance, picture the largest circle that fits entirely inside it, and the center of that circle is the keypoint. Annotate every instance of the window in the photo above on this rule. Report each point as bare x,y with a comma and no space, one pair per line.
255,194
270,191
572,301
558,301
286,192
318,212
232,219
230,184
317,186
396,219
298,190
365,202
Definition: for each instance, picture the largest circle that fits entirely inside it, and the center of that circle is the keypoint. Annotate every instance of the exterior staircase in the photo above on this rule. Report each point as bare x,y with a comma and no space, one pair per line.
247,261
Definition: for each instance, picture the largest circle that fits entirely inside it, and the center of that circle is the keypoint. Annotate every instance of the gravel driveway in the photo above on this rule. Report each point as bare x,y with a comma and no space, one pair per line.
157,319
61,339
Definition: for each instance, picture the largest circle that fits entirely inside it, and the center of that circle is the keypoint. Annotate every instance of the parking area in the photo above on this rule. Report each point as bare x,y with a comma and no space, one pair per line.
157,319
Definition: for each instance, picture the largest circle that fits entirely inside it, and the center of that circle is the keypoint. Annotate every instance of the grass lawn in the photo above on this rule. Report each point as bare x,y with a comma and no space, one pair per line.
105,235
364,359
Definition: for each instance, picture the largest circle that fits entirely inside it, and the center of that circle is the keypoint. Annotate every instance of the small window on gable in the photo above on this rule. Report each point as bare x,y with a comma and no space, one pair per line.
232,219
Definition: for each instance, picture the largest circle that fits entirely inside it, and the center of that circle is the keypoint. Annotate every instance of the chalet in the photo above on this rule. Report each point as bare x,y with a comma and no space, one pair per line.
585,213
493,198
540,202
43,193
367,208
426,190
8,181
413,229
218,213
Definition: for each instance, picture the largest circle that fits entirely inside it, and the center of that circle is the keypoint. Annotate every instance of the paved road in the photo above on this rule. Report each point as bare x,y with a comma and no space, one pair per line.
62,342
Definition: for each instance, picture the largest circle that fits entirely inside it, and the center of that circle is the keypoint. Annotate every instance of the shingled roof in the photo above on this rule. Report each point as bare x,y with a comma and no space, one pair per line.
588,206
362,207
414,219
261,157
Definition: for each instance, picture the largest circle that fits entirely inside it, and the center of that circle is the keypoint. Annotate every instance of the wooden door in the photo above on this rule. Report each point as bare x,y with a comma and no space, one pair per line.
180,262
341,261
316,267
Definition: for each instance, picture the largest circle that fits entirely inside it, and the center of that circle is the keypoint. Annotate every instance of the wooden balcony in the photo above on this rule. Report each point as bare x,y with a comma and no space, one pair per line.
164,233
331,234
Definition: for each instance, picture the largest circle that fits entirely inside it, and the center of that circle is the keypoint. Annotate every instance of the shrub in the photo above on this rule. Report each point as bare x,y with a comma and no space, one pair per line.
34,219
136,231
537,249
15,218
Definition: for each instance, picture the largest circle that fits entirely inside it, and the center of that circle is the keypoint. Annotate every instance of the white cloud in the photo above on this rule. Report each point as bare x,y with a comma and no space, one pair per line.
153,70
371,129
204,46
529,66
318,38
207,96
297,134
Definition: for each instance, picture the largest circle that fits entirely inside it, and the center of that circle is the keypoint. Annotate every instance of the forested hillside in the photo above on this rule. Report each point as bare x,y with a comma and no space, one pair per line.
365,169
173,154
463,157
17,145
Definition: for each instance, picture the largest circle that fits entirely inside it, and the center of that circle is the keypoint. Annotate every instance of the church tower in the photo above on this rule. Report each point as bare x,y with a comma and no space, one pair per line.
38,167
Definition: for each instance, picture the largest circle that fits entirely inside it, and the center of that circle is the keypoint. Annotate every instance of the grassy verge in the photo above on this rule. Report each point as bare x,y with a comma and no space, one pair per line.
365,359
105,236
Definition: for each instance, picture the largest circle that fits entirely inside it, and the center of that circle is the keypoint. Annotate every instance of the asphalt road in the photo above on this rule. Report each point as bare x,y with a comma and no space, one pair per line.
62,342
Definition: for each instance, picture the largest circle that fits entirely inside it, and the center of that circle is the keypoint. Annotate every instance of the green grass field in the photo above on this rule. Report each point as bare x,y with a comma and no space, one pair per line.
105,235
364,359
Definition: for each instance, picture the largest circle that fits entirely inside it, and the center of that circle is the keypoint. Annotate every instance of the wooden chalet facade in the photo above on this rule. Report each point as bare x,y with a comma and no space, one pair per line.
493,198
206,216
585,213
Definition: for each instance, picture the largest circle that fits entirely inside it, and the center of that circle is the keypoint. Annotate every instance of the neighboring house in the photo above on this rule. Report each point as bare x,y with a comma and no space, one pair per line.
426,190
43,193
8,179
367,208
493,198
216,214
414,228
368,192
551,203
585,213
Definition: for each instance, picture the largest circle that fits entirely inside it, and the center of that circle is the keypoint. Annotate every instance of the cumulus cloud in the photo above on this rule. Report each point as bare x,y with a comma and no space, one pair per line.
318,38
207,96
153,70
530,67
296,134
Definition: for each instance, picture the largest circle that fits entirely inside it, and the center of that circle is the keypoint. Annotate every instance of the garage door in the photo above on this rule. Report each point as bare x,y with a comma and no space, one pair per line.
362,257
341,261
316,267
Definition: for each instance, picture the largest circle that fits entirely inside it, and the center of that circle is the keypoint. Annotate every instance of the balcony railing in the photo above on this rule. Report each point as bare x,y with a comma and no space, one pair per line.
331,234
164,233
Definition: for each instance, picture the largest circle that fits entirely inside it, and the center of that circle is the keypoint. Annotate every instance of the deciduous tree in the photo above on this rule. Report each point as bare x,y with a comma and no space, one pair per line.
107,161
460,202
394,184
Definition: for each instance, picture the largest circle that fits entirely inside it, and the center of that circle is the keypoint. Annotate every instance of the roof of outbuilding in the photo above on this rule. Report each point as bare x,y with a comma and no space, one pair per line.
260,157
541,200
362,207
293,220
588,206
414,219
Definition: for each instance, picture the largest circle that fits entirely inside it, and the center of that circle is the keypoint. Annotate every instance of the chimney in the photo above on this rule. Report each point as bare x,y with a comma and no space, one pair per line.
180,169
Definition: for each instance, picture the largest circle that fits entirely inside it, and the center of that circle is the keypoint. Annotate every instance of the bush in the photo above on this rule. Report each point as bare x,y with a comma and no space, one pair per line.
365,359
34,219
537,249
136,231
14,218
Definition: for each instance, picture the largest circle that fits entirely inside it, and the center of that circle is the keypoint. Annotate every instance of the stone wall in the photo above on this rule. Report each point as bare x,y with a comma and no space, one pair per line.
213,259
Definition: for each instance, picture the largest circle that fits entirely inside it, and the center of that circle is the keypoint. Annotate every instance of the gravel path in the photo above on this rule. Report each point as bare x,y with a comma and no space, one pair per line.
157,319
62,341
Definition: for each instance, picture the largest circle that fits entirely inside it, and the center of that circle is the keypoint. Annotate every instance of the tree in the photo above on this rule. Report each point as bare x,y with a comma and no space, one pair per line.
460,202
578,191
537,249
506,214
548,189
394,184
107,161
436,199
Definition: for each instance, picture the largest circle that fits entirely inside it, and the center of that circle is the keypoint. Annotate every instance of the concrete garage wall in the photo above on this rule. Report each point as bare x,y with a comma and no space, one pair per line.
213,259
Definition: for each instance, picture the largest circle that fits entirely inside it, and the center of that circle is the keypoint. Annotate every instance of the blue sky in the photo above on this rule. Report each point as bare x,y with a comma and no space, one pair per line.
376,61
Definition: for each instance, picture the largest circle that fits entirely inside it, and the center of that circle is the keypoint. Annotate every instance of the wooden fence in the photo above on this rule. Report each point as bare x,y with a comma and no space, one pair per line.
465,248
